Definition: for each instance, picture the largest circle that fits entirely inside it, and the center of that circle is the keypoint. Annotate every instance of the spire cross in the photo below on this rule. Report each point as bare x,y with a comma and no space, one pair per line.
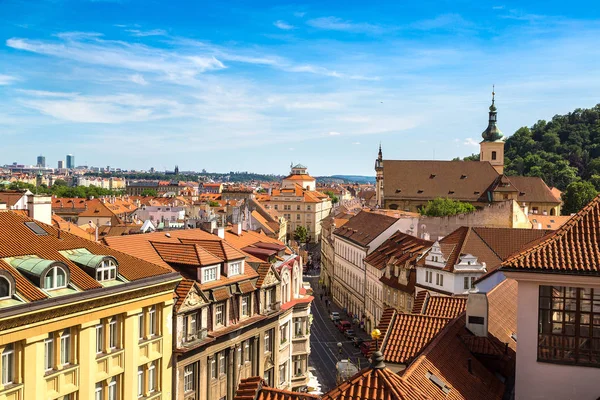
493,92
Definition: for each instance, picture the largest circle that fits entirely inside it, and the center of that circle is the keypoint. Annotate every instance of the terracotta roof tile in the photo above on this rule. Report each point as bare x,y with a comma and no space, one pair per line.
246,287
533,190
221,294
188,254
399,249
408,334
181,291
502,315
255,388
263,269
551,222
445,307
365,227
419,302
571,249
447,358
375,384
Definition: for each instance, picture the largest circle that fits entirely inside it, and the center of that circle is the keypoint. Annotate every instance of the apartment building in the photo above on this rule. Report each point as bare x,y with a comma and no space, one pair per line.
239,310
79,320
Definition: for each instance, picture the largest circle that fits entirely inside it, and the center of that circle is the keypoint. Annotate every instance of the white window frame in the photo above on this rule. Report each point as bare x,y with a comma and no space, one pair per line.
107,271
235,268
213,367
99,391
220,314
141,327
268,346
8,364
49,353
152,321
53,275
188,378
113,393
152,377
222,366
113,333
245,300
140,376
209,274
99,338
466,283
65,347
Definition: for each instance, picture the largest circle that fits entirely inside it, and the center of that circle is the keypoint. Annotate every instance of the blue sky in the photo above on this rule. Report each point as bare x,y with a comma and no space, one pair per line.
251,85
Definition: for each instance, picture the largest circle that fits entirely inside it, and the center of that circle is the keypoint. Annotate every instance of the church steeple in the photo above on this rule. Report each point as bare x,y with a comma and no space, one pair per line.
492,145
492,133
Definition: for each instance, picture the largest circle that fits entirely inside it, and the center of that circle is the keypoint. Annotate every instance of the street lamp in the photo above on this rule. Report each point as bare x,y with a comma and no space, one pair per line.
375,334
339,346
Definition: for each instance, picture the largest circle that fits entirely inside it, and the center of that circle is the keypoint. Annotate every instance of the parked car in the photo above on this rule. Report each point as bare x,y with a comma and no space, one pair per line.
365,347
334,316
344,325
356,341
349,333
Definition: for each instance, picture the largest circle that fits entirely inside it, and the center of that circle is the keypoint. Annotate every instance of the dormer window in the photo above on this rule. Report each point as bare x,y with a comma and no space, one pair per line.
107,270
209,274
235,268
6,288
55,278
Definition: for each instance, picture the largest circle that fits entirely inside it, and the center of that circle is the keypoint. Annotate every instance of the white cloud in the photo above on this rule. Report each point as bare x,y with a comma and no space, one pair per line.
299,14
313,105
450,21
152,32
470,142
291,149
498,8
7,79
338,24
138,78
333,133
283,25
356,143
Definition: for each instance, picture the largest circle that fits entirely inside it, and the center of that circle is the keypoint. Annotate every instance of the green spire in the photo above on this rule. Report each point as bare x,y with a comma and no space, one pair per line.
492,133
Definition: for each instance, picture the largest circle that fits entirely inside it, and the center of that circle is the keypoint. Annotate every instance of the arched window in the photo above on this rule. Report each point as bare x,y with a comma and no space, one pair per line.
55,278
107,270
493,155
5,288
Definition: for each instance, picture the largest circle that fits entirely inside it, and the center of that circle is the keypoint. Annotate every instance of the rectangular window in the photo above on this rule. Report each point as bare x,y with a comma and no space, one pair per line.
437,279
49,352
275,206
234,268
221,363
283,332
209,274
298,207
112,333
8,364
152,321
140,381
213,368
99,338
152,377
569,325
308,207
188,378
99,392
247,351
219,314
141,326
298,217
246,306
441,280
268,341
466,282
65,347
298,327
472,282
112,389
282,373
239,355
192,327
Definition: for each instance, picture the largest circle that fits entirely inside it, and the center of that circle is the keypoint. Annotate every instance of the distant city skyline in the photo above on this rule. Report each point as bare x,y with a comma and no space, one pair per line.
238,86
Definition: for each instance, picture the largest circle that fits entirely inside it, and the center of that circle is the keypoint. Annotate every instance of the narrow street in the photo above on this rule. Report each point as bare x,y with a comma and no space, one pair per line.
324,338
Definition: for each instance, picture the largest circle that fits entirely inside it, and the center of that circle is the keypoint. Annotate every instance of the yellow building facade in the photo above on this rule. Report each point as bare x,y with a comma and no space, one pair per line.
77,337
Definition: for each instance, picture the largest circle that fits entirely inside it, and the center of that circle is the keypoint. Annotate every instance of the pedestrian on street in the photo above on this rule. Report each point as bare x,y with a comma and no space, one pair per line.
321,296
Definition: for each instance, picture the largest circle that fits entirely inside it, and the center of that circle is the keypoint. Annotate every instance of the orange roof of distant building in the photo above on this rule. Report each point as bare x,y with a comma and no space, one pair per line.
70,227
255,388
438,306
545,222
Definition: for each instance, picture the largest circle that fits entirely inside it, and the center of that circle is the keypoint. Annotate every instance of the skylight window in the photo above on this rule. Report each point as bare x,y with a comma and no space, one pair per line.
438,382
36,228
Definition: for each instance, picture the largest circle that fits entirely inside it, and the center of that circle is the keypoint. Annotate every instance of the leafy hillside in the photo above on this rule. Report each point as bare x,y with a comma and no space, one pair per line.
560,151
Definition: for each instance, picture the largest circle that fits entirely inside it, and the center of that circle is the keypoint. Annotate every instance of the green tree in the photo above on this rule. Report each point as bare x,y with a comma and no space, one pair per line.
213,203
441,207
301,234
59,182
333,197
577,195
149,193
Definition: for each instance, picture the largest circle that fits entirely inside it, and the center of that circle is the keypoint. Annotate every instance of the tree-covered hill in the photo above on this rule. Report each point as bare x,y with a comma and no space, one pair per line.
560,151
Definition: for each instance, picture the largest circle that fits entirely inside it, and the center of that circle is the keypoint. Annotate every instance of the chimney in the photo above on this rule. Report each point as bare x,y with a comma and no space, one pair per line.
477,314
237,229
2,206
220,232
40,208
539,225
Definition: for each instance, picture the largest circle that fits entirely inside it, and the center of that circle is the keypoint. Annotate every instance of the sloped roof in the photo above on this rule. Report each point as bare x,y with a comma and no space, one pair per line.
399,249
447,358
11,197
571,249
439,306
255,388
502,315
533,189
457,180
16,239
365,227
189,254
551,222
373,383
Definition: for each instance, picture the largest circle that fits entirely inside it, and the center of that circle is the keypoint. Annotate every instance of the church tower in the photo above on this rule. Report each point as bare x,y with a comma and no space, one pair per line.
379,178
492,145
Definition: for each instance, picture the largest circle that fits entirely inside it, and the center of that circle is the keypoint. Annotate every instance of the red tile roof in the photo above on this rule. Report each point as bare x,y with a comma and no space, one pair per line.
188,254
399,249
375,384
365,227
444,306
408,334
255,388
446,358
502,315
571,249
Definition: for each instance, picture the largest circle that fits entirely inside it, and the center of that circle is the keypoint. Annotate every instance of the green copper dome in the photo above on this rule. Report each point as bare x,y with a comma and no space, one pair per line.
492,132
